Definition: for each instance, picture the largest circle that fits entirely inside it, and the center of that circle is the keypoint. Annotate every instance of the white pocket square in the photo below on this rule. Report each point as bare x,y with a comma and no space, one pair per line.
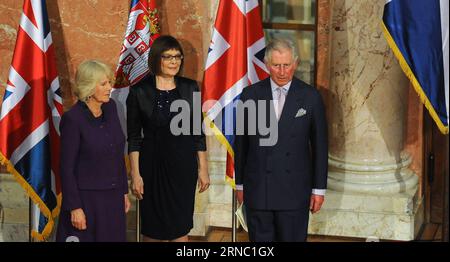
301,112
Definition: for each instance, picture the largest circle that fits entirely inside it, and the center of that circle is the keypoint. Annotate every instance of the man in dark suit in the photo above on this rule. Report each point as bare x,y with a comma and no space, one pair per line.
282,182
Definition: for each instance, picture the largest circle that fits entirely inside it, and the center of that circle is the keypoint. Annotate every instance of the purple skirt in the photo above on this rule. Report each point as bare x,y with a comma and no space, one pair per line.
105,218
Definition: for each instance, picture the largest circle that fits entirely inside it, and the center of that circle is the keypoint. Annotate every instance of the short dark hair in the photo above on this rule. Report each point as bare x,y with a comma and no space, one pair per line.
159,46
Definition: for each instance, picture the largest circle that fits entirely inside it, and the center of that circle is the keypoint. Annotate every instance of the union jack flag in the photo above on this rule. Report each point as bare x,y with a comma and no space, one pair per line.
235,60
142,30
30,116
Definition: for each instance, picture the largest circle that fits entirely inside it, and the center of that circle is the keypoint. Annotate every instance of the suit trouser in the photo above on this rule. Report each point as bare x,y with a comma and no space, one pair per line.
277,225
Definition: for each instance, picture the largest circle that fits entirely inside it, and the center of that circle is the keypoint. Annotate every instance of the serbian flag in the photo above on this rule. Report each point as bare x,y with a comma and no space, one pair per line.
30,116
417,32
235,60
142,30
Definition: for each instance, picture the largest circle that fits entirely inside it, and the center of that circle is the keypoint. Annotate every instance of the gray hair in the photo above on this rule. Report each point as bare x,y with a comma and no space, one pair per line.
280,44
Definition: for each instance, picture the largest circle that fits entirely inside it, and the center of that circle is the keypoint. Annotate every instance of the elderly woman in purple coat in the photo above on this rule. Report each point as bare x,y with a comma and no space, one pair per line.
93,174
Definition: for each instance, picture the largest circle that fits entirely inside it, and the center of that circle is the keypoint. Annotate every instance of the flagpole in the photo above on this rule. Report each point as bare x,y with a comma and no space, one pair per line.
233,217
138,222
29,220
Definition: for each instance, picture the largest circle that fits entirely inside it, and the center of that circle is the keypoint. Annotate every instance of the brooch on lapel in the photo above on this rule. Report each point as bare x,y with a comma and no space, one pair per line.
301,112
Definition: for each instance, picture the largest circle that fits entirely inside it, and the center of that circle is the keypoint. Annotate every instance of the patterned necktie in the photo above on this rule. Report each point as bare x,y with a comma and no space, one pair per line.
281,98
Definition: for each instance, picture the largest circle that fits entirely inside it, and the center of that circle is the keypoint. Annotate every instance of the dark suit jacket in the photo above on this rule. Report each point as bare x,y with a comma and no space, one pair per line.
141,102
92,153
281,177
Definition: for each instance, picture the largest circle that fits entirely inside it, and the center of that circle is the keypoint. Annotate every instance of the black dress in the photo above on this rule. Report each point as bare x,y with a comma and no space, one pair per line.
167,162
169,171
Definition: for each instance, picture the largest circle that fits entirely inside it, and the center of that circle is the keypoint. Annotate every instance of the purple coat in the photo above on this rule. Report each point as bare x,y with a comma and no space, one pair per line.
92,153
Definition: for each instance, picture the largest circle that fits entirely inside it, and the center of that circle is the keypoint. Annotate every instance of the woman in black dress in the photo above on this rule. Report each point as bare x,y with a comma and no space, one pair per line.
166,165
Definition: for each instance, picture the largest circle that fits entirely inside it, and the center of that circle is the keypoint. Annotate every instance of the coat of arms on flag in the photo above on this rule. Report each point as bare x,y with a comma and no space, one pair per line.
142,30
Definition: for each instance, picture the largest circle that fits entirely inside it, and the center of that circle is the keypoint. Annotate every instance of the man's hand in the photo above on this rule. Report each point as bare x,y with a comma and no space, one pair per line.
240,196
316,203
78,219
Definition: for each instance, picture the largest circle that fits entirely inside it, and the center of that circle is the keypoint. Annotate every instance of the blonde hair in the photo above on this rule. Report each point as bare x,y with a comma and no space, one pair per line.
89,74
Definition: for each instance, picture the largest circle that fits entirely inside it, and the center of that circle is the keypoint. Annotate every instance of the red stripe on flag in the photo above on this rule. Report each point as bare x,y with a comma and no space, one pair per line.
254,30
28,11
50,67
230,166
30,61
18,123
219,77
60,109
260,72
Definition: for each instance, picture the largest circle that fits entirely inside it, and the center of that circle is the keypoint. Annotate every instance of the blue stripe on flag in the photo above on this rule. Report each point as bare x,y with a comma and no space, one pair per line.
7,93
133,3
229,121
260,55
45,19
35,169
58,92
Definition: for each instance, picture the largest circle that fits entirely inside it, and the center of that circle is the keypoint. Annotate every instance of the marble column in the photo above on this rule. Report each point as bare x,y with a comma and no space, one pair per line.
372,191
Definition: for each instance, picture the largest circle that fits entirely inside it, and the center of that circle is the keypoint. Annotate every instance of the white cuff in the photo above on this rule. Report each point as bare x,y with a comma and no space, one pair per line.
240,187
320,192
